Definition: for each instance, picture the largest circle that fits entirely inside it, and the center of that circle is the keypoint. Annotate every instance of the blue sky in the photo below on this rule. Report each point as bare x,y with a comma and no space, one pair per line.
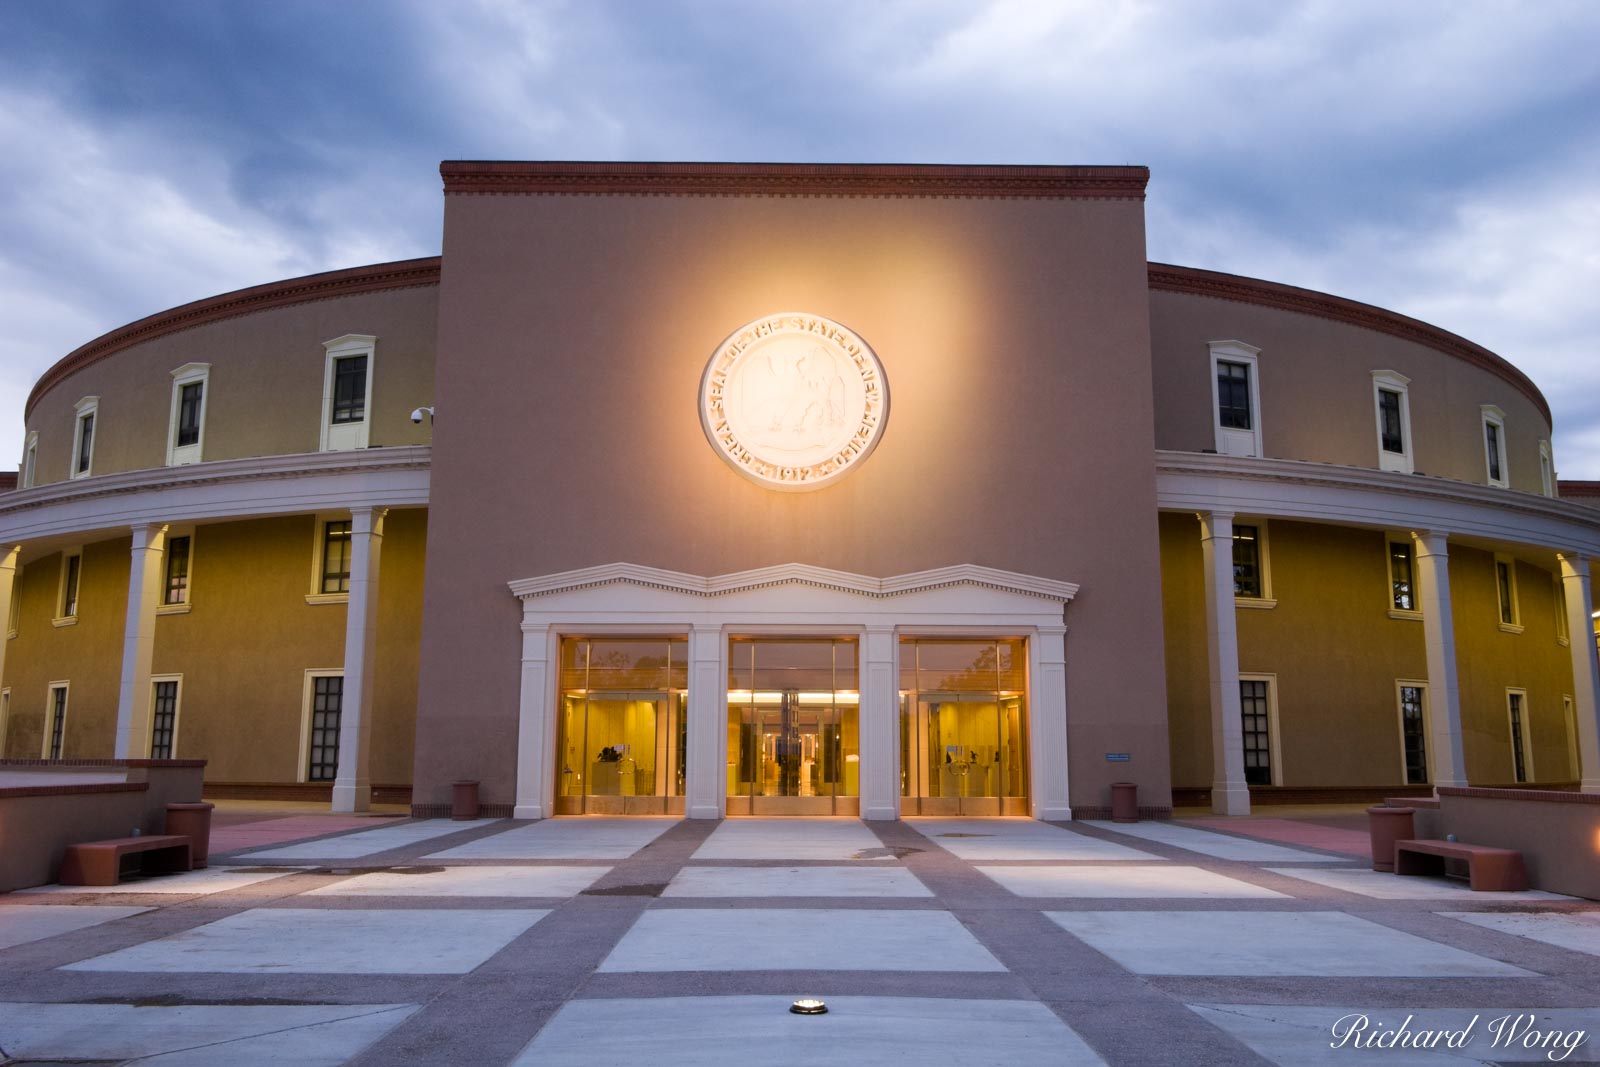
1441,159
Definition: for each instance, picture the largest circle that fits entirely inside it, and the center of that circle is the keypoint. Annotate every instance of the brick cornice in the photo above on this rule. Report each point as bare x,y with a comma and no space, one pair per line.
1165,277
402,274
468,177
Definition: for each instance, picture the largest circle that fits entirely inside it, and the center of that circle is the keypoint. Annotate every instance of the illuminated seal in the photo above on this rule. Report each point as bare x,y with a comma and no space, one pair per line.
793,401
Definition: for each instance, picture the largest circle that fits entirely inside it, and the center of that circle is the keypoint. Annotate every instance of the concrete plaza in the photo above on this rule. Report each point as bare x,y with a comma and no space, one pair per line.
317,940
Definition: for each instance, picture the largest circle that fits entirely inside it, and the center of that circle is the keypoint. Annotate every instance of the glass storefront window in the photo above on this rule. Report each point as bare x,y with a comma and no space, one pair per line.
621,729
963,726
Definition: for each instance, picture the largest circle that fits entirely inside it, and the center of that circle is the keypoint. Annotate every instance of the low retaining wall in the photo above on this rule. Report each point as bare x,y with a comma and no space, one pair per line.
40,818
1558,833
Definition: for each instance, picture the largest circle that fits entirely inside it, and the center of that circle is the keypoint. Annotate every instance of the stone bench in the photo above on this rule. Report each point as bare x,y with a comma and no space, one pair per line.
100,862
1488,869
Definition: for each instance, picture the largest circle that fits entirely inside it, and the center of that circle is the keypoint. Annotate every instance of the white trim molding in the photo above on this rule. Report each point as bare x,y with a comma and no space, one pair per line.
1265,600
177,713
65,686
1391,538
81,463
338,437
1393,382
188,374
1494,457
307,689
791,599
1401,684
1519,728
1507,601
1236,441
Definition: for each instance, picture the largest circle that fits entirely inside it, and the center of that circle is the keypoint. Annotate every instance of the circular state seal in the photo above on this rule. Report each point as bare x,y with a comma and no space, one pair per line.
793,401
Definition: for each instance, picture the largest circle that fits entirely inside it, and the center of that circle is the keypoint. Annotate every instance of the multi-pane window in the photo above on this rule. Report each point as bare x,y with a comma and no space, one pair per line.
1391,432
58,721
1506,586
1414,734
327,700
1247,562
1233,395
176,588
1492,444
164,720
85,443
1257,724
189,398
336,557
1519,746
349,389
1402,589
73,570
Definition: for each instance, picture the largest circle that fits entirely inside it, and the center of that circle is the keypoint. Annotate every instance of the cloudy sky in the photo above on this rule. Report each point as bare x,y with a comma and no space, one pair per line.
1438,158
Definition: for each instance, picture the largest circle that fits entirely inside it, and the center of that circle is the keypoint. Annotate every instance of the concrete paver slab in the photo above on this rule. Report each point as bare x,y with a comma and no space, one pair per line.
580,837
1579,932
790,839
22,923
200,883
796,882
1243,943
467,882
310,941
368,842
1381,885
197,1035
1218,846
752,1031
794,939
983,840
1172,882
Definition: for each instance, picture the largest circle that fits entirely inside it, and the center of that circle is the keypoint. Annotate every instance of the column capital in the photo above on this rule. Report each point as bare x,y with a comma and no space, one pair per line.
146,532
1431,542
1574,565
1215,525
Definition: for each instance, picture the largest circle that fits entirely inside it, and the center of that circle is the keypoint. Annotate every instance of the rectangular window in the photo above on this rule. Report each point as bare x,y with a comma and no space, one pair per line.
1254,707
327,700
349,389
85,443
1494,445
14,612
1402,587
1560,595
1233,395
30,459
1392,399
71,573
55,736
1236,398
1505,576
1492,442
176,588
5,716
336,557
164,720
1413,733
1574,758
1247,562
186,429
189,397
1547,470
1389,430
1521,756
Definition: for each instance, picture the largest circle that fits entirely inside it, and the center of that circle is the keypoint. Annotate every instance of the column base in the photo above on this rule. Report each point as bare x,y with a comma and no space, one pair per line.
1058,813
880,814
352,798
1589,785
527,811
703,811
1230,800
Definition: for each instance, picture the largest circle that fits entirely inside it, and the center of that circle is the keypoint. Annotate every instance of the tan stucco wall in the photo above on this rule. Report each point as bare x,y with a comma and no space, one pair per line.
1337,656
265,391
242,649
1317,392
575,330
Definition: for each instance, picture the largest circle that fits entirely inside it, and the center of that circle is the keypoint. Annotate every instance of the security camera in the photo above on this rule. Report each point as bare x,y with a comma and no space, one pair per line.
416,416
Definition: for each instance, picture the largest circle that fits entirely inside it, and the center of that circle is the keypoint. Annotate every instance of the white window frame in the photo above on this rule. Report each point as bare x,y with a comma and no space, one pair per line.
307,692
1570,716
1231,442
177,710
49,711
347,435
1392,381
1493,416
28,472
14,609
1527,737
1563,638
1400,725
1402,538
188,374
184,608
1266,601
1547,469
89,405
1274,734
1515,625
61,618
316,595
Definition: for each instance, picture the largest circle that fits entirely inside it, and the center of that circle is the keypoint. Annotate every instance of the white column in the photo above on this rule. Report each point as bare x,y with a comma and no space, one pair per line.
536,724
879,721
352,788
1229,793
139,642
1448,760
1585,670
707,756
1048,714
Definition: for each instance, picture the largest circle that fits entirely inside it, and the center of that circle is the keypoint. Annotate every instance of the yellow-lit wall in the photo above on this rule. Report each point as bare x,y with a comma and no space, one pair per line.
1337,655
242,649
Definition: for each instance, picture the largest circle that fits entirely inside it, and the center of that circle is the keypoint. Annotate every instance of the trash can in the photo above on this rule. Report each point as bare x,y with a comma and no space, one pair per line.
1387,825
1124,802
464,800
194,822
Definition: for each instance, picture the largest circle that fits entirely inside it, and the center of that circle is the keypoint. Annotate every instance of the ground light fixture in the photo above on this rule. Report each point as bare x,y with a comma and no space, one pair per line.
808,1006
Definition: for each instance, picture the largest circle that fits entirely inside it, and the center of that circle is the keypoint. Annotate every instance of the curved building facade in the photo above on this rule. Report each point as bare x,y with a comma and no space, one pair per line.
764,489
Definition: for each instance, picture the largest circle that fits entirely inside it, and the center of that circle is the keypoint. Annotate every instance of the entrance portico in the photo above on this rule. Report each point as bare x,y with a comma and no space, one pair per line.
869,617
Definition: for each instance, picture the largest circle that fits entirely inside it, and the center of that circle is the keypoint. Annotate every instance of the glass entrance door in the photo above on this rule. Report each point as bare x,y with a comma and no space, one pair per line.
963,728
621,731
793,728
